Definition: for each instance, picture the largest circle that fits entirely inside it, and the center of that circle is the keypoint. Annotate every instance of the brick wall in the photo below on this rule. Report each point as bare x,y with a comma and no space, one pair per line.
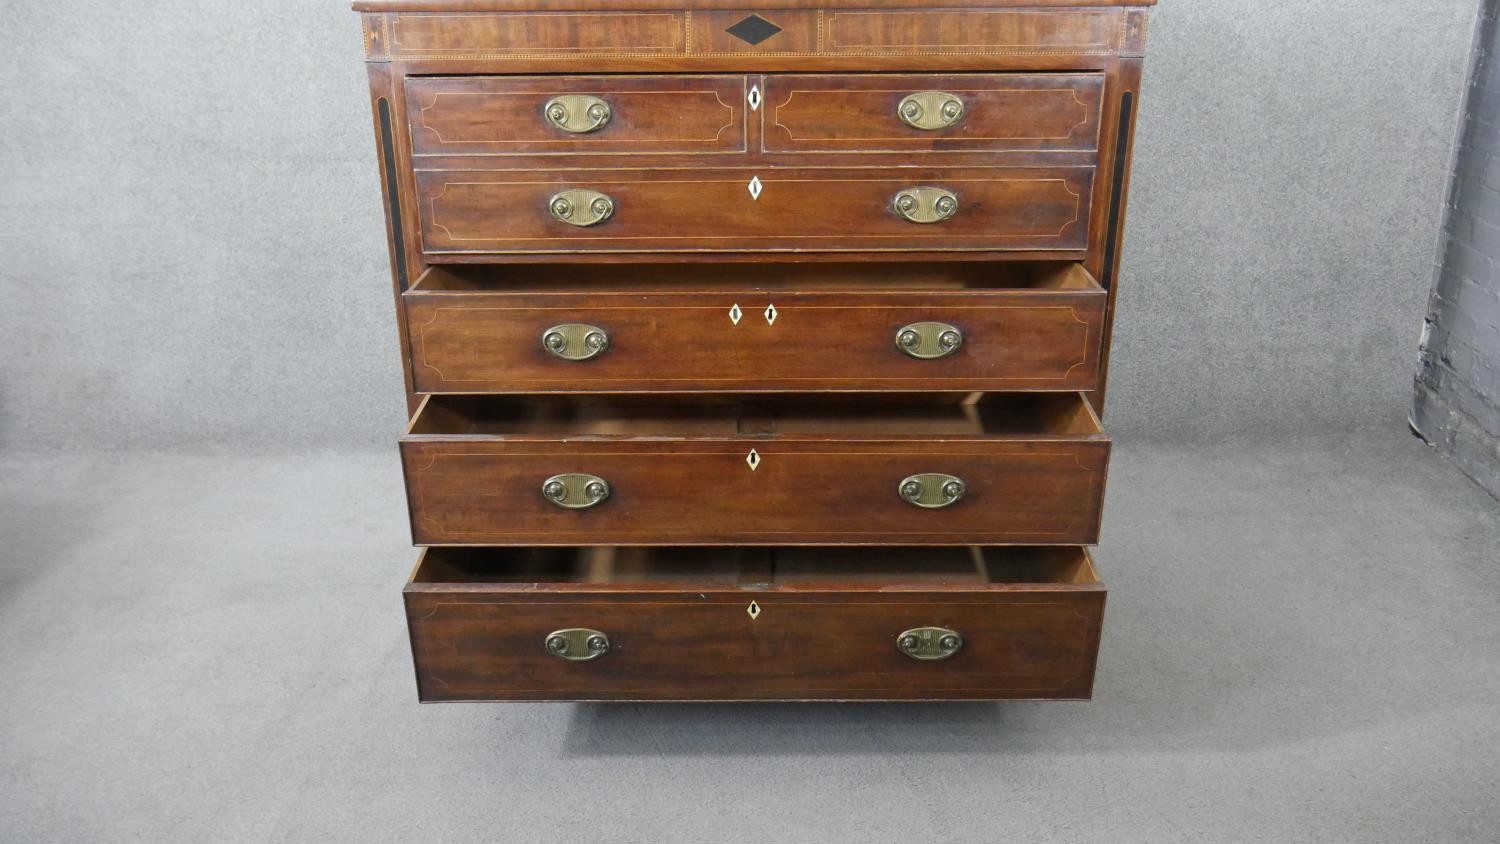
1457,406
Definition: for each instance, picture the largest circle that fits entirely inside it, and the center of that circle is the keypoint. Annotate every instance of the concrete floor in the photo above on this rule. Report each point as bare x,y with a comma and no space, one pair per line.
1302,643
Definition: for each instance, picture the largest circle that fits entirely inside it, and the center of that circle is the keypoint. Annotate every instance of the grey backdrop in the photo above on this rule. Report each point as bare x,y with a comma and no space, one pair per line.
192,255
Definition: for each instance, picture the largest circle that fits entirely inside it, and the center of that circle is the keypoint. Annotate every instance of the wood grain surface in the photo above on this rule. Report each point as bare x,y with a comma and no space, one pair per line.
483,337
827,472
825,625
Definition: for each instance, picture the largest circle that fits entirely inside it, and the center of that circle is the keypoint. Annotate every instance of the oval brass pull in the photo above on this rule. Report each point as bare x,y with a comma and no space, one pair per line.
577,113
575,491
925,205
575,341
930,644
931,490
929,340
580,207
576,644
930,110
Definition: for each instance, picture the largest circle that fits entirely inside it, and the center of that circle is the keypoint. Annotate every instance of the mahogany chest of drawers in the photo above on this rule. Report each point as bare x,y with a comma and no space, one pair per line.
754,352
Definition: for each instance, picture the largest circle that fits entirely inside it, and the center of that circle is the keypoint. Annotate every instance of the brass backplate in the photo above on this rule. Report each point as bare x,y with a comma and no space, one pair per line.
575,490
577,113
925,205
931,490
575,341
929,340
929,644
930,110
581,207
576,644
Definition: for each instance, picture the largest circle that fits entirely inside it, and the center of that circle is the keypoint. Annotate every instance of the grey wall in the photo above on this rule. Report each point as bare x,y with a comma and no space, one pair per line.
1457,406
191,247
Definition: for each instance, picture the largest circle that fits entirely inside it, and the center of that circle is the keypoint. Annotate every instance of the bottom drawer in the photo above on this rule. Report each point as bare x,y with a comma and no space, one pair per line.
754,623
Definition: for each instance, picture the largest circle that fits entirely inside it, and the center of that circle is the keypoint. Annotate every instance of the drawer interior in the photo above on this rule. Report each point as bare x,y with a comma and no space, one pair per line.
812,416
684,277
606,567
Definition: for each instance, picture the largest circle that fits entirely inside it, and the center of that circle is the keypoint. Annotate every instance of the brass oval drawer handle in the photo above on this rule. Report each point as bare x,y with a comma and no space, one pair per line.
929,340
932,490
578,114
930,110
580,207
577,644
925,205
575,341
575,491
930,644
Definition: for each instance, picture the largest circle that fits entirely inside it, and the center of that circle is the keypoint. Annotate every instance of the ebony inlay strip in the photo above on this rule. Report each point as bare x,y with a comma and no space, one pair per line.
753,29
1117,189
393,190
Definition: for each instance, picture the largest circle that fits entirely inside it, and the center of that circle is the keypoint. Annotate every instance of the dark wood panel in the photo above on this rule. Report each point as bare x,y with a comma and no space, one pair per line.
400,226
995,31
674,635
559,35
468,6
682,36
1002,112
1029,338
820,209
503,116
1109,213
681,472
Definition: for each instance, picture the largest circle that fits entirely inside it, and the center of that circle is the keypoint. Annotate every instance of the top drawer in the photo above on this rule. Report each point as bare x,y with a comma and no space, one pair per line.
528,115
954,113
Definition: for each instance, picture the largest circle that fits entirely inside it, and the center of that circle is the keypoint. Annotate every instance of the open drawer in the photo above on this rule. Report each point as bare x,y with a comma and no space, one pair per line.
754,623
960,326
995,469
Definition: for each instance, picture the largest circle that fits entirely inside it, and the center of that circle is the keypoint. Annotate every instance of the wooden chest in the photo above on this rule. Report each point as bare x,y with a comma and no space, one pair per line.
754,352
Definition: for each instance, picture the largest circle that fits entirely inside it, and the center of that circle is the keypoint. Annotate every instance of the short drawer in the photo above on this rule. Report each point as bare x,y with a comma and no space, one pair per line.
754,624
489,211
562,115
688,328
932,113
944,469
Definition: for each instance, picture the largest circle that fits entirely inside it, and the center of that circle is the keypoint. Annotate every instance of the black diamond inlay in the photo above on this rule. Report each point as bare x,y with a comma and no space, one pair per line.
753,30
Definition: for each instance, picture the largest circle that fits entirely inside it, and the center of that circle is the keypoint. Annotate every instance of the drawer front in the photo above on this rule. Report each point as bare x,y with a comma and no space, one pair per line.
467,212
486,641
1009,340
932,114
714,492
539,115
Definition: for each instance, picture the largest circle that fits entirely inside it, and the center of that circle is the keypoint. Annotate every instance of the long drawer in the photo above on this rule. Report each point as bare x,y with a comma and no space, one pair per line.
685,328
814,470
754,624
476,212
